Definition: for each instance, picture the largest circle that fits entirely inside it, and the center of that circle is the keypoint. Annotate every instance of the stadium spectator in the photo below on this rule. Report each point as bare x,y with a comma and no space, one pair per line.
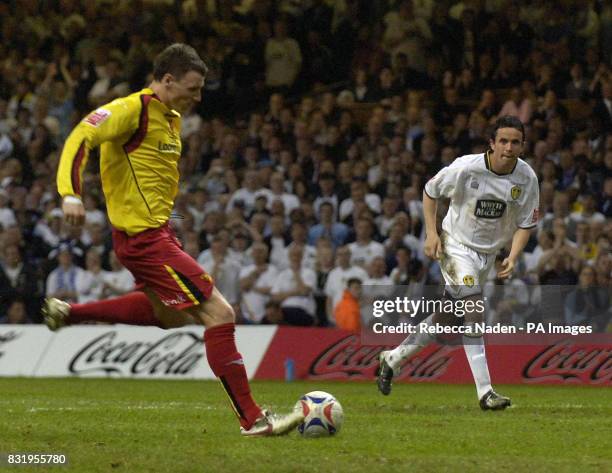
377,276
586,304
589,213
335,232
110,84
578,86
339,276
16,313
118,280
223,269
276,191
273,314
347,313
324,264
364,249
256,281
507,299
407,269
89,284
326,193
517,106
407,33
244,198
293,289
299,237
93,214
283,59
358,194
18,280
7,216
61,282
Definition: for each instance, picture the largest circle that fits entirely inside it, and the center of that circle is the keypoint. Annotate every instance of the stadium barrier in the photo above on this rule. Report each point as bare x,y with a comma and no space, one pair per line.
325,354
118,351
316,354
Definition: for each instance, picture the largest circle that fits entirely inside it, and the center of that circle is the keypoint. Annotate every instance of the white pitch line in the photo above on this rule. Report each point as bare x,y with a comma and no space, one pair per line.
128,408
123,407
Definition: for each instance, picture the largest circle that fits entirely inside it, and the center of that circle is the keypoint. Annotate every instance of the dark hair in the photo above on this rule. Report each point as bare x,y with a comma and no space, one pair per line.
404,248
353,281
178,59
508,121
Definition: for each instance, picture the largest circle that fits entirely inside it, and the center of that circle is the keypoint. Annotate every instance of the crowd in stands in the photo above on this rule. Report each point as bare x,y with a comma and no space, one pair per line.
303,167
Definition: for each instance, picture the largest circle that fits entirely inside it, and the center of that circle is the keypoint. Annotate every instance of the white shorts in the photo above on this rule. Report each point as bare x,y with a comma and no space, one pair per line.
465,270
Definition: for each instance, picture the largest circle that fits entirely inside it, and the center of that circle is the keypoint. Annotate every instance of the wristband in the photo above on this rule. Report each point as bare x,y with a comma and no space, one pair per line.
72,199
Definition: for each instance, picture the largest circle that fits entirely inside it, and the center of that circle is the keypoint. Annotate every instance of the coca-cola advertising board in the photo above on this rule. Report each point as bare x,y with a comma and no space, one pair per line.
337,355
119,351
317,354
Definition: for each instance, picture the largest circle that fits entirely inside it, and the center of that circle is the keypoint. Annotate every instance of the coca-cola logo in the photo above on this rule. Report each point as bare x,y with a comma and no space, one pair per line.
347,358
564,361
5,338
177,353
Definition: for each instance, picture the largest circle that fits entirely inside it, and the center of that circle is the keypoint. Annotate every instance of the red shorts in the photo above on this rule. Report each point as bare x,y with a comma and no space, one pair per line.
157,261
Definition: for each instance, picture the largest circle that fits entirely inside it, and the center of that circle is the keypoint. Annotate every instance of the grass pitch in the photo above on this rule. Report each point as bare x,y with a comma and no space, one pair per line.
187,426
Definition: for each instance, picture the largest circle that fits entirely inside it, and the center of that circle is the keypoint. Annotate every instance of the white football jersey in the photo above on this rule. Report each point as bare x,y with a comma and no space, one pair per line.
486,208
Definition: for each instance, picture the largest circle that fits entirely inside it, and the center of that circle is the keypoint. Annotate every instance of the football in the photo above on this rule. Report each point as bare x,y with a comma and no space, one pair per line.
323,414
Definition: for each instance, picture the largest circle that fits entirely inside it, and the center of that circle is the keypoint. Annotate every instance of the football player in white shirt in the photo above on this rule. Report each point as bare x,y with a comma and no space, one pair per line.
494,198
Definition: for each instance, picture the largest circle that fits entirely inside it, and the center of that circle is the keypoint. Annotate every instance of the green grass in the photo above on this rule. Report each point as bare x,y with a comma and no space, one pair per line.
186,426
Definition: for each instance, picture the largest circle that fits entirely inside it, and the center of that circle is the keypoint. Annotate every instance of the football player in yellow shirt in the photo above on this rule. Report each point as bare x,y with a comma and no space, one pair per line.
139,136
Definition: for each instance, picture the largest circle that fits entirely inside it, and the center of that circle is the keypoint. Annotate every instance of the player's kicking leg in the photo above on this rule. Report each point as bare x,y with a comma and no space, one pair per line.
178,292
227,364
134,308
145,308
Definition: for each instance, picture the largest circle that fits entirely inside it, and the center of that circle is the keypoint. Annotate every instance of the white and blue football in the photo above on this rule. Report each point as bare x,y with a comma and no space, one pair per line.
323,414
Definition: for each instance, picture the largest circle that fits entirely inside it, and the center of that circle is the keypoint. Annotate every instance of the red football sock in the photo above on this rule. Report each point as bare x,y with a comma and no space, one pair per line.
228,366
133,309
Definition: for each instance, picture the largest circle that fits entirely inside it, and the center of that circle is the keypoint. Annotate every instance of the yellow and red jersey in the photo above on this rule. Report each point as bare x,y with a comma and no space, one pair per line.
140,148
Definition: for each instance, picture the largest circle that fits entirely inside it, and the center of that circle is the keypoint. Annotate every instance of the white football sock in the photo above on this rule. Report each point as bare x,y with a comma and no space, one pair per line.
475,352
411,345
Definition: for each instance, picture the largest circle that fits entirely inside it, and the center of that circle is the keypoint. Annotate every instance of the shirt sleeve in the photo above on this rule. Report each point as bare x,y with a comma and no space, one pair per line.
444,183
528,215
106,123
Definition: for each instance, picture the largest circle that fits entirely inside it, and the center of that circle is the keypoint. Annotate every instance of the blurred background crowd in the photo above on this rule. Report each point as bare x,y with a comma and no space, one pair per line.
304,165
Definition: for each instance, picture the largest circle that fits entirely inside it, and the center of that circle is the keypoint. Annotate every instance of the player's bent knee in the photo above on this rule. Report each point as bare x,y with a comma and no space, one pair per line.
215,311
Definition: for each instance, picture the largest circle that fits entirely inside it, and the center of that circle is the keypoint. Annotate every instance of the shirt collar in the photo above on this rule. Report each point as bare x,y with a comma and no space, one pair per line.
487,160
149,91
